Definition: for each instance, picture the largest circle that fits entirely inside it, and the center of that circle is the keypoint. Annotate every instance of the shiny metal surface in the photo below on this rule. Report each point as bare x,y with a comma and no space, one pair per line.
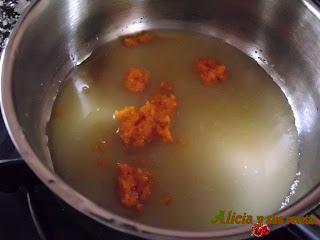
283,36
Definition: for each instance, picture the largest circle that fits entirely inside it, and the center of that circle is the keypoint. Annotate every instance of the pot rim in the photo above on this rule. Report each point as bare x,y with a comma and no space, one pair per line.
77,200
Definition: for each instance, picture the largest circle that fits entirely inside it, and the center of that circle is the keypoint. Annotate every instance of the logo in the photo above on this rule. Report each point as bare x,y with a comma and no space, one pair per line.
260,223
260,230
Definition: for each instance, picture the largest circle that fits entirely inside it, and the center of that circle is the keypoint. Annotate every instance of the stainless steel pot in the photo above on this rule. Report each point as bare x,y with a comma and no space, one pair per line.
283,36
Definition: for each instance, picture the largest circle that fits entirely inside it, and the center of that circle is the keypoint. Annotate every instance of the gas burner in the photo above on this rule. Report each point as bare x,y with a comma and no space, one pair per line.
9,14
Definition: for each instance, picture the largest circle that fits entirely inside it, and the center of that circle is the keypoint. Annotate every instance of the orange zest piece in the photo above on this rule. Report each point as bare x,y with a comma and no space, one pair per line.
139,126
182,142
166,85
165,106
166,199
98,151
137,79
130,42
134,186
100,147
135,40
210,72
135,125
144,37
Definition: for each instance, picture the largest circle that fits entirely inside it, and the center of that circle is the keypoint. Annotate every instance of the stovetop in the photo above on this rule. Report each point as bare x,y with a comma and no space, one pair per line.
28,210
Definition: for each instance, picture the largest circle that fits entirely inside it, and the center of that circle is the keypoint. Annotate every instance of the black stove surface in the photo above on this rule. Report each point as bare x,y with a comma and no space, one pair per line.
28,210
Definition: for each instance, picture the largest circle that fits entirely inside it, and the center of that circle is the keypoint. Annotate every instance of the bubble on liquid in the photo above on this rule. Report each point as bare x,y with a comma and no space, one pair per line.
85,89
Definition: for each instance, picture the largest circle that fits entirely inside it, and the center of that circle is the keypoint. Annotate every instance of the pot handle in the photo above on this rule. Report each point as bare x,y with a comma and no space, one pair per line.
307,231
